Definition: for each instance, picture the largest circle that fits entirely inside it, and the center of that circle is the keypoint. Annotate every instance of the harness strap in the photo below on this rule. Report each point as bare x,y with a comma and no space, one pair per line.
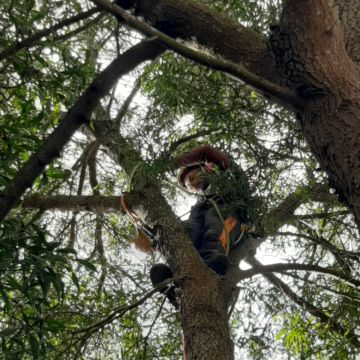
229,225
133,217
145,232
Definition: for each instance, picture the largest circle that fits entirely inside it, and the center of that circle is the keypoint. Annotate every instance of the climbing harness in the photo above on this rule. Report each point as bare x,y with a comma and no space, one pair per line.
228,225
153,234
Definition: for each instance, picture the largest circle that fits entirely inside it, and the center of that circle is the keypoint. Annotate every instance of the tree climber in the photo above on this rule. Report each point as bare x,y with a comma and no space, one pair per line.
223,211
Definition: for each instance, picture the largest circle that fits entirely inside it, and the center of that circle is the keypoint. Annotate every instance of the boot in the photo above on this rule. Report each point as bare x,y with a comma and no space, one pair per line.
219,263
160,273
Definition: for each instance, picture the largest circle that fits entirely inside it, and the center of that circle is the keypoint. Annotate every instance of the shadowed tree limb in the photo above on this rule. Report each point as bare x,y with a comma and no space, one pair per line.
190,19
100,204
79,114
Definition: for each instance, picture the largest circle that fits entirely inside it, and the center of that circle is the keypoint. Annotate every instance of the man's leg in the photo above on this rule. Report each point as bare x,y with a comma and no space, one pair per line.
194,226
212,251
160,273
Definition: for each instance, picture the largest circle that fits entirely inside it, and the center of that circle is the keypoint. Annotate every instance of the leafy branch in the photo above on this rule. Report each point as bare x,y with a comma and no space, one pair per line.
79,114
35,38
313,310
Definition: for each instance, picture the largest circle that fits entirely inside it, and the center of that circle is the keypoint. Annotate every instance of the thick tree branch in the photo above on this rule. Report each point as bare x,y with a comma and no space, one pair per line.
284,212
279,94
98,204
79,114
191,20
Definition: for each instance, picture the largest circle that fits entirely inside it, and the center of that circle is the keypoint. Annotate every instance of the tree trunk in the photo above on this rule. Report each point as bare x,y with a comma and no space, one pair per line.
310,49
204,299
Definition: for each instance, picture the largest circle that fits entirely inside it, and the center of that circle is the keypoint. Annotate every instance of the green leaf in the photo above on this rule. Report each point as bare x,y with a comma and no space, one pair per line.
87,264
280,334
34,344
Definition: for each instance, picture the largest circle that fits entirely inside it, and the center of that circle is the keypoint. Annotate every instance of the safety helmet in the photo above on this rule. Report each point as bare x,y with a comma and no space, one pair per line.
207,167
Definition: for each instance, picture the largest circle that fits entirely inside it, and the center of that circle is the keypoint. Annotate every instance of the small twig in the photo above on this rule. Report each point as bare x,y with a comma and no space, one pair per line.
151,327
121,310
32,40
125,106
313,310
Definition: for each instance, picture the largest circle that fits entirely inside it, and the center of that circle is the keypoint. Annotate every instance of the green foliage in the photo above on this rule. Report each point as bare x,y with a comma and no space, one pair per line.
299,333
232,189
68,279
32,273
257,15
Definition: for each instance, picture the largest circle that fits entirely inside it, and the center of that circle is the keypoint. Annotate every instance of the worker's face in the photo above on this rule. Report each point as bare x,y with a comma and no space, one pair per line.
195,180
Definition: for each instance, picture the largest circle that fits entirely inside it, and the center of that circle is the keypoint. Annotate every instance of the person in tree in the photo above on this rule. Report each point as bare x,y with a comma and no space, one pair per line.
222,212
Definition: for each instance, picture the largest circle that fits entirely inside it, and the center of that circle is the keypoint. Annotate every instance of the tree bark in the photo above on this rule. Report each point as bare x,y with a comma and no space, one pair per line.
203,299
97,203
310,49
191,21
348,13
